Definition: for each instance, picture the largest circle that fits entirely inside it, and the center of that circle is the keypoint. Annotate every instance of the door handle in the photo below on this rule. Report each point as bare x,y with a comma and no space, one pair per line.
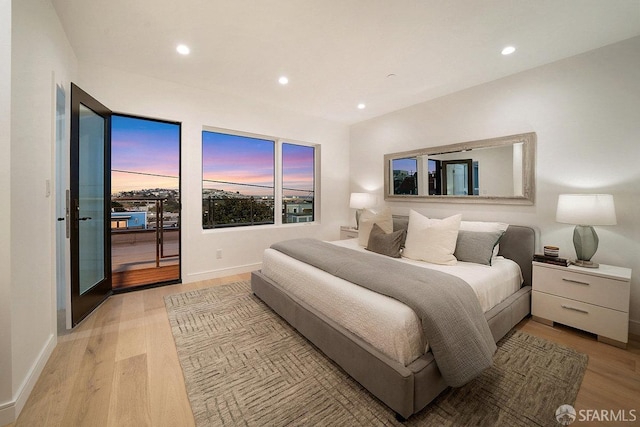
61,219
84,218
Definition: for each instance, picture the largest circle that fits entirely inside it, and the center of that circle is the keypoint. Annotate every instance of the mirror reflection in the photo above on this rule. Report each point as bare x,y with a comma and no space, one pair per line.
498,170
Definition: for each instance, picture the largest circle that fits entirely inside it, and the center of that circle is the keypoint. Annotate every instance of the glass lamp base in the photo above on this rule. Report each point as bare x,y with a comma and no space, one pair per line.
585,241
586,264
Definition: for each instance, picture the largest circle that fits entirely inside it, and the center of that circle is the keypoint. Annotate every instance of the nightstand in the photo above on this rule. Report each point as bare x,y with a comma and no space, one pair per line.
347,232
595,300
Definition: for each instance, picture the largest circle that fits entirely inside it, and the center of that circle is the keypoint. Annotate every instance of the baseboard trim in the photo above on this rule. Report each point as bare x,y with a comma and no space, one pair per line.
10,411
7,413
214,274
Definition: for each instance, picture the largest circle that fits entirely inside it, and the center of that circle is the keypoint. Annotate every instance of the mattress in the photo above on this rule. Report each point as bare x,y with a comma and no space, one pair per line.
384,322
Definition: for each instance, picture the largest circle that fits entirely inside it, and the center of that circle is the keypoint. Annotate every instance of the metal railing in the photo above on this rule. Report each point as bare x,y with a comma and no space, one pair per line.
236,212
158,226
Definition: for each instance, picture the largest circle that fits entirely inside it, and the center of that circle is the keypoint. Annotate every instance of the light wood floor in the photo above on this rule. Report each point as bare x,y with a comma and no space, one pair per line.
120,368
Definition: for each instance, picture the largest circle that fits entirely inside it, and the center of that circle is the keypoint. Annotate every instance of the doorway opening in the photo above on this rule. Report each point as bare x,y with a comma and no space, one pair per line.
145,202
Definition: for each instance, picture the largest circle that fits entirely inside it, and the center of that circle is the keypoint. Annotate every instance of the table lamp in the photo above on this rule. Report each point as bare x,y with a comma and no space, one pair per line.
585,211
360,201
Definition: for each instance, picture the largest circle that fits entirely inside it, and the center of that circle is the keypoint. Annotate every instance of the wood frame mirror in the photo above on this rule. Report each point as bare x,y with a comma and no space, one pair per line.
503,172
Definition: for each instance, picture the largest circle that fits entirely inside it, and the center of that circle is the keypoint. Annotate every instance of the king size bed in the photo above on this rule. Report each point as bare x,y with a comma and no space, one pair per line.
380,341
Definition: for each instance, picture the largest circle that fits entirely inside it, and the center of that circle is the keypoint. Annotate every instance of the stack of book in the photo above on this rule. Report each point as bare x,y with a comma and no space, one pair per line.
552,260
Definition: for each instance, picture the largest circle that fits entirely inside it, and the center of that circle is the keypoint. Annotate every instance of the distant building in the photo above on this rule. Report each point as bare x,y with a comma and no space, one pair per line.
128,220
298,212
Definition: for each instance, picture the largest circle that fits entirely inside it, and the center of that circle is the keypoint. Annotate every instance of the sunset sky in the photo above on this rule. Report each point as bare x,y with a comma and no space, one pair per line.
144,146
250,161
237,159
297,169
143,149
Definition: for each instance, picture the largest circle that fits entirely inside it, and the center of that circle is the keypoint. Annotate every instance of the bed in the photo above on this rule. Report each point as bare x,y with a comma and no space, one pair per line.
404,374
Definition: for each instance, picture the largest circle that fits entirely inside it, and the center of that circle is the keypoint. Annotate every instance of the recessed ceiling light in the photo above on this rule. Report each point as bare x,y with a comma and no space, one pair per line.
361,106
283,80
508,50
183,49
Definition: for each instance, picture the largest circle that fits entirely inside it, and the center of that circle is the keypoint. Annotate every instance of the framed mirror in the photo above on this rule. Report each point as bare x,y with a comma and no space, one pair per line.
491,171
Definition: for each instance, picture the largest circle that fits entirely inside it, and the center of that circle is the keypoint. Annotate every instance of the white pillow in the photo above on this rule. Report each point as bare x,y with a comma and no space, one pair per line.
432,240
485,227
368,217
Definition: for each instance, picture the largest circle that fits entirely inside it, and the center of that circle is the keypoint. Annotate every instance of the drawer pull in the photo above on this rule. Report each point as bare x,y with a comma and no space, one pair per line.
579,310
575,281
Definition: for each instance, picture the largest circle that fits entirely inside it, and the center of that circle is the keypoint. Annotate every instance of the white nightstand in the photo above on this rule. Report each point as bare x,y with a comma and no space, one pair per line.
347,232
592,299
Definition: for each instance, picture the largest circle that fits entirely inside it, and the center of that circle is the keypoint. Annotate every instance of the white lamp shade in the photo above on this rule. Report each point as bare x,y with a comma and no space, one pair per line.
362,201
586,209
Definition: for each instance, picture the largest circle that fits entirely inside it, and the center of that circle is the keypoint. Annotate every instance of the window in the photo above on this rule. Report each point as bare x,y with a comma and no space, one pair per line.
242,182
237,180
297,183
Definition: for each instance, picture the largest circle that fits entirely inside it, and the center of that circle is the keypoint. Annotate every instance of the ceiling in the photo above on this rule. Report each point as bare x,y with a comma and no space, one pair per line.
388,54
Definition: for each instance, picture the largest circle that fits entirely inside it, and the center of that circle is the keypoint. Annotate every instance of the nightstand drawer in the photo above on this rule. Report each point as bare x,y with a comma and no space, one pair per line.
348,233
609,293
598,320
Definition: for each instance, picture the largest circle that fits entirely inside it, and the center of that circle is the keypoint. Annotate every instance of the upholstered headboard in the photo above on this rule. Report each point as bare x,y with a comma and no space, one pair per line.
517,244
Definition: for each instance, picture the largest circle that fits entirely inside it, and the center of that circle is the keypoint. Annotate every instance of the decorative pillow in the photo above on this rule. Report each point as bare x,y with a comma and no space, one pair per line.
432,240
485,226
388,244
477,246
368,217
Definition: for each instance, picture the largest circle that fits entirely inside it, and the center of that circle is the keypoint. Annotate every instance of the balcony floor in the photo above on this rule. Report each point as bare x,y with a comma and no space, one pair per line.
133,258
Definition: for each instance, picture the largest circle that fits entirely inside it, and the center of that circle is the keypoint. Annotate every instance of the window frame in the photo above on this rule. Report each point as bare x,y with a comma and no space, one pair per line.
315,178
277,178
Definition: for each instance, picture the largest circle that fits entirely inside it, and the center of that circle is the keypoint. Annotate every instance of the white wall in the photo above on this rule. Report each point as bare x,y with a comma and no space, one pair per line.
586,113
241,247
6,392
40,56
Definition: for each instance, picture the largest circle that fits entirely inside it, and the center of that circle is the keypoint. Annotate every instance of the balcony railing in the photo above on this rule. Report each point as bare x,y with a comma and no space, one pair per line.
229,212
157,226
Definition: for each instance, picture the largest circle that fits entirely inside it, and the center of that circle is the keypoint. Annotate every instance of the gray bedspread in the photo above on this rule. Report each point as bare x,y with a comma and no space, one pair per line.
452,319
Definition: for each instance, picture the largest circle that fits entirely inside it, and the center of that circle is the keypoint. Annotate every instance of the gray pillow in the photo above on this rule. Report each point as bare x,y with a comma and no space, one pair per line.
386,244
476,246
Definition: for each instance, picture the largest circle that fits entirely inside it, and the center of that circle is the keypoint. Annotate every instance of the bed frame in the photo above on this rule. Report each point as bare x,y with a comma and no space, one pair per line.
405,389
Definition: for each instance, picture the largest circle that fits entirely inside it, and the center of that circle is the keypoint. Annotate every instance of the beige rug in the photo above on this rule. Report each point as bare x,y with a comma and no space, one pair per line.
244,365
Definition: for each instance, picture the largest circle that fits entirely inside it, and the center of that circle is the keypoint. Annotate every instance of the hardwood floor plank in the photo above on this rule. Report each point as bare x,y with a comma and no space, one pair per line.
167,393
131,331
50,397
130,394
91,393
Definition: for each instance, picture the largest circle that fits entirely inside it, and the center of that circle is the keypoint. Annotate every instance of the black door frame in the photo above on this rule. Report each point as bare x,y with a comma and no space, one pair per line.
83,304
179,278
468,163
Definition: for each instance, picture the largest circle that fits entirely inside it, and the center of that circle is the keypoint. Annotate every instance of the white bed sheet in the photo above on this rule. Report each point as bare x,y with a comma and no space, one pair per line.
383,322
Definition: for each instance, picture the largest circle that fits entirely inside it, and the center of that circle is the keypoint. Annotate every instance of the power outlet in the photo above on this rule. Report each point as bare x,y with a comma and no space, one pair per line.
219,254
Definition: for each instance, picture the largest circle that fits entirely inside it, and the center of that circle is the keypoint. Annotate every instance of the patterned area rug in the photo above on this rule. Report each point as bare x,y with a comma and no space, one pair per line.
244,365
